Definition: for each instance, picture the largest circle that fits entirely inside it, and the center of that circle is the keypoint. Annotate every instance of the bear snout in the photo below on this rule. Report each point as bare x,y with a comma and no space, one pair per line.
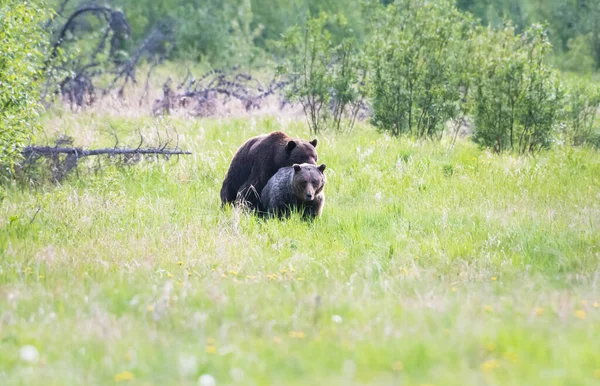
309,196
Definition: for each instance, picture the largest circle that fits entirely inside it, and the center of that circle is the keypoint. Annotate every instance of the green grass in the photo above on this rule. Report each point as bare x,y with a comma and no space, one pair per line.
428,266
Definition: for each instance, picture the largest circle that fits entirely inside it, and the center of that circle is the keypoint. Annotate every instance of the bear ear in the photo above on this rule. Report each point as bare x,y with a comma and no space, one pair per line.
314,142
290,146
322,168
297,167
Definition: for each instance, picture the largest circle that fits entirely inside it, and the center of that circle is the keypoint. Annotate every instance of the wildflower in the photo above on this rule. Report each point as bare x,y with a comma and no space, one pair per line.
474,158
580,314
211,349
596,304
250,277
296,334
488,308
490,347
539,311
233,272
124,376
300,278
223,275
29,353
336,319
41,276
277,339
490,365
284,270
206,380
397,366
189,274
169,275
150,308
180,263
271,276
494,278
453,289
211,341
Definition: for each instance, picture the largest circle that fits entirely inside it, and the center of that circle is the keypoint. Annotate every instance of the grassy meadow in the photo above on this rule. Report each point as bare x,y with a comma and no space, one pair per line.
431,265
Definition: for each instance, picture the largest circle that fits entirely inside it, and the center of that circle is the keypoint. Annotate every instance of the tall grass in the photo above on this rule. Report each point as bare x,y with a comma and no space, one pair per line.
428,266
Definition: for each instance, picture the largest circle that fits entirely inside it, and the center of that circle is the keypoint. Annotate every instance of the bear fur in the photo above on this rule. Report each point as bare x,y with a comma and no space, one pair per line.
299,186
257,160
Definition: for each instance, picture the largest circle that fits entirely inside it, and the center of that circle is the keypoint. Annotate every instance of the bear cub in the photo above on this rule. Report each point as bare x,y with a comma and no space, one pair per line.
299,186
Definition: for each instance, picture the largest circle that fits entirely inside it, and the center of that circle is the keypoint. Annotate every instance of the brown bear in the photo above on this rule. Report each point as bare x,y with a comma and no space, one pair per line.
257,160
297,187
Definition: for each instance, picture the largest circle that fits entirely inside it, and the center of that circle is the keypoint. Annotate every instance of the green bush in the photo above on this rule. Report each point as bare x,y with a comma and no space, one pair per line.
582,107
327,74
517,97
418,55
24,44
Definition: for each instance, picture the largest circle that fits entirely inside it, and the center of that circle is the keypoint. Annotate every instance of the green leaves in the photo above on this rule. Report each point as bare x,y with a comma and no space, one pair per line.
22,51
326,72
518,96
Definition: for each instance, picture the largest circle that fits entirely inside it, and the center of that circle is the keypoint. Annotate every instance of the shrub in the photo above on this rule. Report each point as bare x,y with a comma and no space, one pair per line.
582,107
327,77
24,44
517,95
417,52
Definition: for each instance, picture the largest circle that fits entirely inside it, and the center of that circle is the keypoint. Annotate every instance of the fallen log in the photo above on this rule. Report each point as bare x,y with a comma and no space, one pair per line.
80,152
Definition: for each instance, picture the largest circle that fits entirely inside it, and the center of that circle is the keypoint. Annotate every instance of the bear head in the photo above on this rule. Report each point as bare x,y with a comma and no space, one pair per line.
298,151
308,181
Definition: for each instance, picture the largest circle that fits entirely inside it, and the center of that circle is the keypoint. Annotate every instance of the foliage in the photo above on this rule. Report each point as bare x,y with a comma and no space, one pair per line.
327,76
418,58
23,45
570,23
517,96
582,110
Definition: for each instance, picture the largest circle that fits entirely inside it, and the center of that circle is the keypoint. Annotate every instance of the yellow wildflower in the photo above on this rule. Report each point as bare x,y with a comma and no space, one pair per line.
580,314
453,289
488,308
490,365
211,349
297,334
124,376
596,304
539,311
150,308
169,275
494,278
300,278
180,263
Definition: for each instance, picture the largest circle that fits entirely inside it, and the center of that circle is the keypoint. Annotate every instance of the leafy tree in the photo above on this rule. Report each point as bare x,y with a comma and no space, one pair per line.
417,54
518,96
327,76
22,52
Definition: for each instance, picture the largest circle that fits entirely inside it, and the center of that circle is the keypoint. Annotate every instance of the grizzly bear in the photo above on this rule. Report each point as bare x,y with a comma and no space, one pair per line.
297,187
257,160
